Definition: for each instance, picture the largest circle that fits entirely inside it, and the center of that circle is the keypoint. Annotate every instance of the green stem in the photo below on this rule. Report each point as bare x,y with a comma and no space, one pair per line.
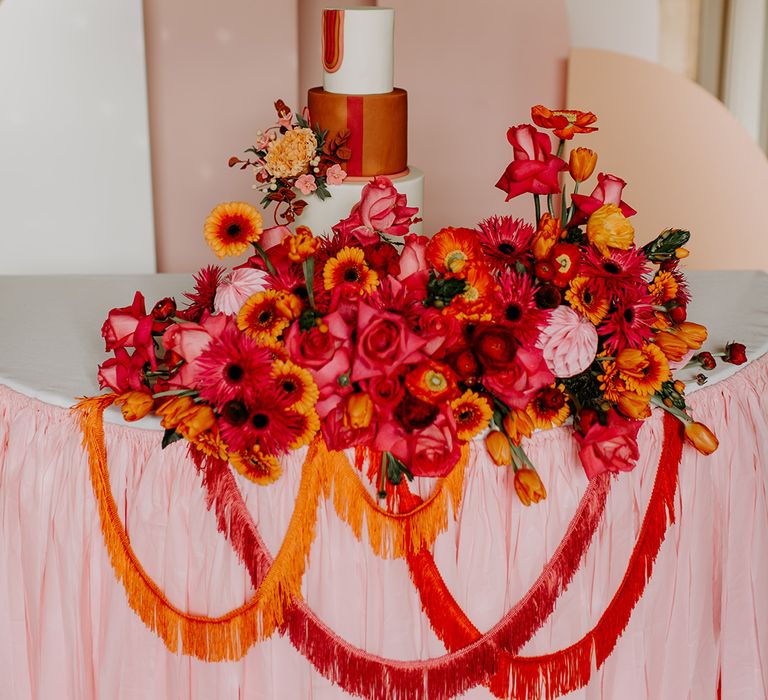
572,208
682,416
550,201
537,204
174,392
383,480
264,257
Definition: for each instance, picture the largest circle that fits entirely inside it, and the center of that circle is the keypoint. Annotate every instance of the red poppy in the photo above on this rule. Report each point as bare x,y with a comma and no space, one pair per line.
564,122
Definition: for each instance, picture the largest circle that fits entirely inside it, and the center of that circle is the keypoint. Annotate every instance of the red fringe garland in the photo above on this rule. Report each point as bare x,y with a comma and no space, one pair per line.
531,678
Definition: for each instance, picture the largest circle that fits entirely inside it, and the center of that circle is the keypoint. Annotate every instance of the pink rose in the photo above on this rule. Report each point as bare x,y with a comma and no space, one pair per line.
273,236
335,174
306,184
241,284
438,330
129,326
124,372
534,168
611,447
339,437
527,374
413,257
326,355
386,391
568,342
608,190
188,340
384,342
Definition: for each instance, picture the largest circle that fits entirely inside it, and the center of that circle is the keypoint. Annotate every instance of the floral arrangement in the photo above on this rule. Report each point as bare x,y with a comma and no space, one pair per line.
408,347
293,155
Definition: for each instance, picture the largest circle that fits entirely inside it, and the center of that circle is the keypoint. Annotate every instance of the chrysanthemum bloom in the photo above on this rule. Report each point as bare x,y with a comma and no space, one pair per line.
309,425
433,382
209,442
499,449
472,414
565,123
518,424
516,298
611,383
290,155
232,366
643,370
296,384
256,466
609,228
505,241
267,314
231,227
548,408
348,267
529,487
589,298
663,287
453,251
630,324
581,163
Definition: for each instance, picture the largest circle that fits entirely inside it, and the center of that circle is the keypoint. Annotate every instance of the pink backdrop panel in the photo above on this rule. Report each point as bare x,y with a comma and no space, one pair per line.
687,160
214,71
471,71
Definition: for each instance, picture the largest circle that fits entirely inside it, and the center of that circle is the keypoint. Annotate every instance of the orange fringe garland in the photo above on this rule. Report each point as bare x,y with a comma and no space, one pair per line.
209,638
392,535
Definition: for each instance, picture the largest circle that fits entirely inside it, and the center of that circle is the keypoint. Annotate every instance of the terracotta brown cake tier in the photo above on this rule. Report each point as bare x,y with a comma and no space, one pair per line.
378,126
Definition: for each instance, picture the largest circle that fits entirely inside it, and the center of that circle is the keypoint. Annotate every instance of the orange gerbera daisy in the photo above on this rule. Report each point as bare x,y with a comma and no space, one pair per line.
309,423
472,413
663,287
231,227
296,384
265,315
548,408
643,370
210,443
589,298
453,251
349,267
432,382
564,122
259,467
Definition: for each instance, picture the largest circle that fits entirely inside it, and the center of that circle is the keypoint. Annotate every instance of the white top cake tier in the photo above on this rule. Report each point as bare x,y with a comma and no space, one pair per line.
358,50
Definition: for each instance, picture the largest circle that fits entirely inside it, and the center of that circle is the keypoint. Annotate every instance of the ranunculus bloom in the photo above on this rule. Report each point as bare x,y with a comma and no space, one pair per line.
608,228
127,327
523,377
384,342
568,342
495,346
611,447
528,486
608,191
233,292
381,209
565,123
581,163
534,168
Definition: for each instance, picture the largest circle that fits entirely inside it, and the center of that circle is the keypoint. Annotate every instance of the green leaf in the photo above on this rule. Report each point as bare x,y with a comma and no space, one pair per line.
303,123
309,279
442,290
169,437
322,191
664,245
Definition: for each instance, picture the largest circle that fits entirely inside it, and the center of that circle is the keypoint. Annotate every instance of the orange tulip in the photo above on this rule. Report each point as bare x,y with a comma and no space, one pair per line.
546,236
358,411
693,334
172,410
135,404
186,417
518,425
673,346
529,487
497,444
634,405
607,227
701,437
582,163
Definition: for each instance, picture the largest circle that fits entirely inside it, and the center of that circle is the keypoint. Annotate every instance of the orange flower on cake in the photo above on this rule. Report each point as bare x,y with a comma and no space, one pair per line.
289,155
565,123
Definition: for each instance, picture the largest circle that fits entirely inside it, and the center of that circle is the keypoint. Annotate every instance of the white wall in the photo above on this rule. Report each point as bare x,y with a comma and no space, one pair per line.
75,189
626,26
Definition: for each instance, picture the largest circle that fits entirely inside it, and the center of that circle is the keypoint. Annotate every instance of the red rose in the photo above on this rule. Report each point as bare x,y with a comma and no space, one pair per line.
415,414
338,436
608,191
384,342
735,353
386,391
129,326
124,372
534,168
611,447
383,258
706,359
520,379
494,346
187,340
164,308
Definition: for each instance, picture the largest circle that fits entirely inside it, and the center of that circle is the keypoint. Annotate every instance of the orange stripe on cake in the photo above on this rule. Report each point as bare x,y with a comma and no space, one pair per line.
333,39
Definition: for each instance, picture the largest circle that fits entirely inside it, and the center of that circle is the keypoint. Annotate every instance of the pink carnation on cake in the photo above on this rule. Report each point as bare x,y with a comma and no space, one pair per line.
235,290
568,342
611,447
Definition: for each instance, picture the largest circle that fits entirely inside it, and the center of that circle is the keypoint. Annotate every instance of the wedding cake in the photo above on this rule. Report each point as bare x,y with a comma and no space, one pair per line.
358,96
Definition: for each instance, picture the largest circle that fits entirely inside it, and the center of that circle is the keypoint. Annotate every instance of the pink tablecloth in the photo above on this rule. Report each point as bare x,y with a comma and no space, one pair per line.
66,631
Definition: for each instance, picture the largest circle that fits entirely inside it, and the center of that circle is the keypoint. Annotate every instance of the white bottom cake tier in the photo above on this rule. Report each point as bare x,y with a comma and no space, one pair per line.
322,216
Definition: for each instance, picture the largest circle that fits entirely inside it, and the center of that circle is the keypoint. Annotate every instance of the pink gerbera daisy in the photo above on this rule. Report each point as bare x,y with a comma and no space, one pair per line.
620,269
628,325
516,297
201,300
232,366
505,241
266,420
289,279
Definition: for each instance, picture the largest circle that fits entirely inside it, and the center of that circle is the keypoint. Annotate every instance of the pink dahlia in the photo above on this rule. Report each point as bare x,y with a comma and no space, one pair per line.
505,241
568,342
516,297
629,324
232,366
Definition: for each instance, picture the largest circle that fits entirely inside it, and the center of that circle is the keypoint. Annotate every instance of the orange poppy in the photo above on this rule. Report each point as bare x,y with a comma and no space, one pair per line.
564,122
432,382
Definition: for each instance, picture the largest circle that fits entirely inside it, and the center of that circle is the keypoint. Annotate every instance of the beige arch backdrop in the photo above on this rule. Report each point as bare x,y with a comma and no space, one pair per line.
214,70
687,160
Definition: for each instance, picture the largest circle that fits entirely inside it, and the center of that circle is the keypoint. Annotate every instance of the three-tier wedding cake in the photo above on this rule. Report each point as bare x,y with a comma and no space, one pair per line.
358,96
